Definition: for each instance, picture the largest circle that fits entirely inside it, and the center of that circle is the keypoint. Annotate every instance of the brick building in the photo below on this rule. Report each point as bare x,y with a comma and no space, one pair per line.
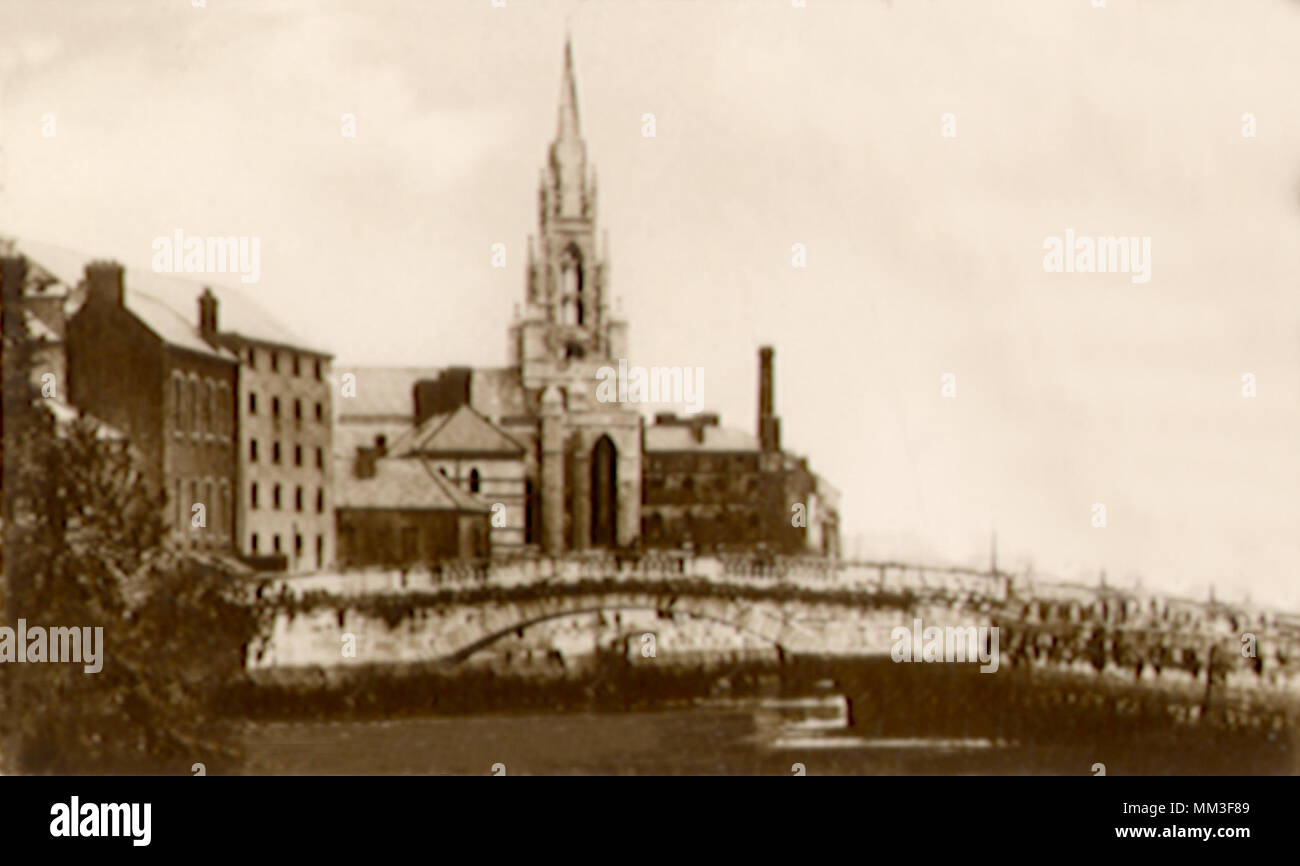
135,363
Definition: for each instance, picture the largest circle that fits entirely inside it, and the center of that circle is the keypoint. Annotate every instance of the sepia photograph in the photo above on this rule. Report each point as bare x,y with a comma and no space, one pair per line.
857,388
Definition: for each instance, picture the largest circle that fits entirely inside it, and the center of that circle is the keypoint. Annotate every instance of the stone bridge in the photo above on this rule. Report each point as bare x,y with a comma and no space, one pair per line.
787,605
810,606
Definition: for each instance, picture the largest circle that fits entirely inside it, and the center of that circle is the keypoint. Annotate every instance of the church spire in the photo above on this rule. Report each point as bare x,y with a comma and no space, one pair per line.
569,151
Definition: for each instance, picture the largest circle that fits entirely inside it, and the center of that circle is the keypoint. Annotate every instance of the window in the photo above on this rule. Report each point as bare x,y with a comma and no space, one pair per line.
473,481
255,540
209,406
297,547
320,500
252,403
252,360
320,550
276,541
297,498
320,413
297,455
275,498
193,420
318,376
178,402
320,458
252,495
275,407
297,411
296,370
275,453
275,361
252,450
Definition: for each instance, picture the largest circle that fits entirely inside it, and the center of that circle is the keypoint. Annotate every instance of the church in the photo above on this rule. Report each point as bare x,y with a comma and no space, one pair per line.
461,462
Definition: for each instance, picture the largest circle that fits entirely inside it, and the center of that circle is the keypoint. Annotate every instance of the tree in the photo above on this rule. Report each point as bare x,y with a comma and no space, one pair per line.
85,546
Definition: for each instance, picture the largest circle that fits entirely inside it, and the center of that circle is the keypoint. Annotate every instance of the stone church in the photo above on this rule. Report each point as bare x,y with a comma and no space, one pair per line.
557,469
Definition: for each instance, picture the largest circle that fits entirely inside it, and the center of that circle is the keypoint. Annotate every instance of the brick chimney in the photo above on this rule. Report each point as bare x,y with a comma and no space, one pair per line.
769,426
104,280
208,315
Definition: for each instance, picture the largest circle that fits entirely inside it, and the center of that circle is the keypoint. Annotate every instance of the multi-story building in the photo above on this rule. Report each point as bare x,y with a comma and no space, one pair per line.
242,423
286,458
169,386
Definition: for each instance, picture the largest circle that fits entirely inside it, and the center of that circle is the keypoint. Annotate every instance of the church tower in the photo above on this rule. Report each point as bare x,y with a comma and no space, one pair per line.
588,464
566,315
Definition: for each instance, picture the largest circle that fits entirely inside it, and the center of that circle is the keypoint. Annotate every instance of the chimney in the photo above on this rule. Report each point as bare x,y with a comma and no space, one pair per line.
769,426
364,466
13,275
208,315
104,279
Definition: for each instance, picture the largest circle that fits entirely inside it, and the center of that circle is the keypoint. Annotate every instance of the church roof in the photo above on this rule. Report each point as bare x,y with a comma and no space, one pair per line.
387,392
461,431
401,483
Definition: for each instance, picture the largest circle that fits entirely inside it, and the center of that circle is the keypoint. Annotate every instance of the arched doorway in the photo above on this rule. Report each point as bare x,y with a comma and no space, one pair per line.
604,493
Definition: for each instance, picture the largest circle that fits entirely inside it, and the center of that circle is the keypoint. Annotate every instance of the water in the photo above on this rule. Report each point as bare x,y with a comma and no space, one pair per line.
893,721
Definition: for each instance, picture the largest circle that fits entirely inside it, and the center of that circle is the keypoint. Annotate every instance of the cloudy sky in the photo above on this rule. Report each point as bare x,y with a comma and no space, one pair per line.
775,125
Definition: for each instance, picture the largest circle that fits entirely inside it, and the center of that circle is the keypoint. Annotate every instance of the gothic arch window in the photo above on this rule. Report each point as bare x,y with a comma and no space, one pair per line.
604,493
571,281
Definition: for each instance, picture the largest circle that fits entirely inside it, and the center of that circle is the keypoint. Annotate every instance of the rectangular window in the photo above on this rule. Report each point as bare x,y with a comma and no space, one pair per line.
255,540
252,403
297,411
296,370
320,500
275,497
275,361
252,450
252,495
297,455
320,458
318,371
275,407
275,453
297,547
276,542
297,499
320,413
320,551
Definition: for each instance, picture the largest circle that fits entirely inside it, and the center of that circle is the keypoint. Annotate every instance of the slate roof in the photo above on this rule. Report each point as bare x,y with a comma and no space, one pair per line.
407,483
168,304
383,391
460,431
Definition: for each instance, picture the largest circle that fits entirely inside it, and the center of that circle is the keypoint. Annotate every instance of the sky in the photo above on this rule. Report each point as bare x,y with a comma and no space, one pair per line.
774,125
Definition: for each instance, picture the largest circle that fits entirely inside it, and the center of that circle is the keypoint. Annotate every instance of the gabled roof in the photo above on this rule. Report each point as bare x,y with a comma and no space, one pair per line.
401,483
160,300
461,431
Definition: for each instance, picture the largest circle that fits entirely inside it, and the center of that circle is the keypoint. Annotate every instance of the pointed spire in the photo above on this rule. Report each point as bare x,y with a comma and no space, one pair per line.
569,151
567,124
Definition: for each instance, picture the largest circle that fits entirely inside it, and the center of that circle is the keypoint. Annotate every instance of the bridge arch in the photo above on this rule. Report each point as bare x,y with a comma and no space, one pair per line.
520,626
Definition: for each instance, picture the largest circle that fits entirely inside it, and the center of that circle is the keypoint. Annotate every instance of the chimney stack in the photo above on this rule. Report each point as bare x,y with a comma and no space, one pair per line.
769,426
104,279
208,315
